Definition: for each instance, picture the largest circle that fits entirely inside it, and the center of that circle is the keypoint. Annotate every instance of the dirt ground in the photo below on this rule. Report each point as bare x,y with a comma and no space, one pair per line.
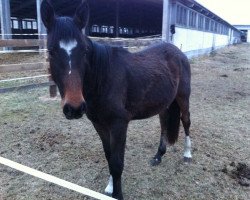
34,132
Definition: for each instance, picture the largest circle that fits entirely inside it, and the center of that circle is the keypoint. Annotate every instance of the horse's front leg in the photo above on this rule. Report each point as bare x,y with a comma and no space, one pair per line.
116,162
104,133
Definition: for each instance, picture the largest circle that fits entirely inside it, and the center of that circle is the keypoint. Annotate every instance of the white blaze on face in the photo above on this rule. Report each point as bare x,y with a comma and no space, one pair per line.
68,46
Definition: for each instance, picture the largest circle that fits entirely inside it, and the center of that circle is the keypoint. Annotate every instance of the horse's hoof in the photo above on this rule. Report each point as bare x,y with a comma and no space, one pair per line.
174,149
155,161
187,160
108,194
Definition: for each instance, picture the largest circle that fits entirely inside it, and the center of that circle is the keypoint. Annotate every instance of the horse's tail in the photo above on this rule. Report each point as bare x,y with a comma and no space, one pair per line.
173,122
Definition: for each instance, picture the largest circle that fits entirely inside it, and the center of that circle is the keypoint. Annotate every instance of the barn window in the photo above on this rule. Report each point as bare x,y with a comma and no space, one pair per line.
215,27
212,26
29,25
226,30
120,30
192,19
95,29
125,31
111,29
15,24
104,29
201,22
219,29
207,23
24,24
181,15
34,24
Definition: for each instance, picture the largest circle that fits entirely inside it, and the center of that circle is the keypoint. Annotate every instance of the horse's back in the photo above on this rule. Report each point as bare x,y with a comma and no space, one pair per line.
177,63
165,48
165,56
153,77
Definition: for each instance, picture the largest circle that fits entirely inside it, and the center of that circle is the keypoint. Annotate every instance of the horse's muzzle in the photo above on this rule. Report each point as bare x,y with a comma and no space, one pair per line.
71,112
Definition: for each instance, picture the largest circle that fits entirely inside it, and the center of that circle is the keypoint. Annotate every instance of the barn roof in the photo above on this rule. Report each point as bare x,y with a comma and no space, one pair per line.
27,8
23,8
203,10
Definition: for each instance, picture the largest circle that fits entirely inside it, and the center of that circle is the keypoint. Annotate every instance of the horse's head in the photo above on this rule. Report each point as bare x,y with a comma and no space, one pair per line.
68,55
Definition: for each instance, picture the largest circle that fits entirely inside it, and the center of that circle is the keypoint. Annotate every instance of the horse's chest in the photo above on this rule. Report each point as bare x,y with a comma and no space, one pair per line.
93,112
97,111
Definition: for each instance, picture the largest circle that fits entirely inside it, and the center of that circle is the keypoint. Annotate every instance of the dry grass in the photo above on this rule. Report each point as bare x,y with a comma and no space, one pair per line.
34,133
16,58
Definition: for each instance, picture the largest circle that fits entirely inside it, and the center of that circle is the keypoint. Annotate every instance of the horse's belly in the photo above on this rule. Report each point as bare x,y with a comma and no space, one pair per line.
148,109
152,99
145,114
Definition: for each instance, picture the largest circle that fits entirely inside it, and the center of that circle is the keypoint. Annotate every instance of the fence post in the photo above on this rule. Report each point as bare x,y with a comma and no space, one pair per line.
165,21
117,18
42,37
5,20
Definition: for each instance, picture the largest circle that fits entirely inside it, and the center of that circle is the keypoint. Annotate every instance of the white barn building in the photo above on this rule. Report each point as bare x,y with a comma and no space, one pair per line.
185,23
195,29
246,32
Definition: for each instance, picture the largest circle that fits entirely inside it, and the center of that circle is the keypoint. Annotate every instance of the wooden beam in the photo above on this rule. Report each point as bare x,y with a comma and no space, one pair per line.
26,87
21,42
22,67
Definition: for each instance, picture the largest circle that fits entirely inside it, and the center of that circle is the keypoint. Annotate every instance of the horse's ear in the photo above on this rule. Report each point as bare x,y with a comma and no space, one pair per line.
81,17
47,14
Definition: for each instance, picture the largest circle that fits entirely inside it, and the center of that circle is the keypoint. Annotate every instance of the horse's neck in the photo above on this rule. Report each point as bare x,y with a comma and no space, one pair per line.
97,72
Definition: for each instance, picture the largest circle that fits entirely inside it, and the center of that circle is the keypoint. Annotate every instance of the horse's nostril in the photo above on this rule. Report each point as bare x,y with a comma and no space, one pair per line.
80,111
72,112
68,111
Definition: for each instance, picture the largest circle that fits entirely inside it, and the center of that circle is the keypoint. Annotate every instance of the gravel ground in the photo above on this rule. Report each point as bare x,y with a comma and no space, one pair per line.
34,132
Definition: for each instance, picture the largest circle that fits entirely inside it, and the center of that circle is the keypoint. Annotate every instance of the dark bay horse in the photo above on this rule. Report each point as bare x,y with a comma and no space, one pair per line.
113,86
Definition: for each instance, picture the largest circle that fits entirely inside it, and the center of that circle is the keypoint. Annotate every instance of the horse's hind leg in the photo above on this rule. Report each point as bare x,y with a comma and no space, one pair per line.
185,118
163,141
170,121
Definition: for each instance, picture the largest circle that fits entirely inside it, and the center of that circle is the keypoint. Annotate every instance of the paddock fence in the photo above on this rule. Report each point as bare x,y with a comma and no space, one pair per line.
14,46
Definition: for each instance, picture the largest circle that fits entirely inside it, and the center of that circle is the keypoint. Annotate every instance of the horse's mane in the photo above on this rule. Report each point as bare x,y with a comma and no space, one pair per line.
100,64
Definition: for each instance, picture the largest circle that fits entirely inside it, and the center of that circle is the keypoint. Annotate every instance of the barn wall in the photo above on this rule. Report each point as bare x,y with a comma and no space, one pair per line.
248,36
196,30
244,28
236,37
194,42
